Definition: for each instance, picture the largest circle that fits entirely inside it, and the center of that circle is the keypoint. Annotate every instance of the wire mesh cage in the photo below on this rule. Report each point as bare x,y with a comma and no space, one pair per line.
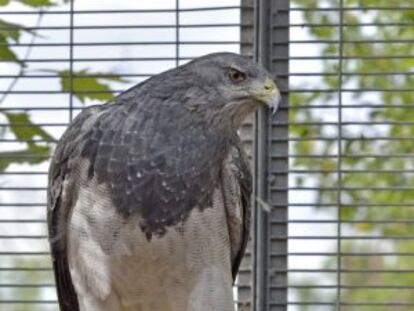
337,155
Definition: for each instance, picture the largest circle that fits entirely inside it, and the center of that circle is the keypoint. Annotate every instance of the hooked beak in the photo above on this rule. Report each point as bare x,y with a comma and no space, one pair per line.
269,94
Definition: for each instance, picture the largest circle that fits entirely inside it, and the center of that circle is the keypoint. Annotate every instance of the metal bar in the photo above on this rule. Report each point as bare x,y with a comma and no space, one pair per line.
144,11
291,58
321,188
292,205
343,254
355,171
258,258
35,269
2,253
23,221
396,90
379,24
89,44
177,32
279,58
349,271
354,8
273,188
295,123
327,221
348,106
312,74
109,59
274,156
332,254
333,41
22,173
282,107
86,76
383,238
263,263
302,156
246,276
345,57
210,42
30,302
333,204
26,285
34,92
143,26
147,75
23,237
172,26
390,287
71,58
33,124
136,11
373,304
344,90
339,163
157,59
39,108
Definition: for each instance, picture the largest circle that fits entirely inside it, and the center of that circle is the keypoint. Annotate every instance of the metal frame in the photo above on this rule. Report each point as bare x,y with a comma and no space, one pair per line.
268,251
262,283
263,280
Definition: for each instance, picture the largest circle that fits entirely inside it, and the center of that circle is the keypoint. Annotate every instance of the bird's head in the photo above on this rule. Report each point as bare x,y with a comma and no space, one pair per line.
243,85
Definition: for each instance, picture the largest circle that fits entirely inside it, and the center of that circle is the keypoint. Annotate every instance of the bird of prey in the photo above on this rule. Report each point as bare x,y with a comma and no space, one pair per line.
148,197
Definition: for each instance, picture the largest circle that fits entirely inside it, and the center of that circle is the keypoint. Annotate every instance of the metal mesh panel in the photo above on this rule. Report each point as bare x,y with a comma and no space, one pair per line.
349,163
345,71
77,46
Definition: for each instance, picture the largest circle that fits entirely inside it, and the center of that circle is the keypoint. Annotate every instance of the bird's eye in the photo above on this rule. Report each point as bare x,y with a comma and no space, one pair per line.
236,75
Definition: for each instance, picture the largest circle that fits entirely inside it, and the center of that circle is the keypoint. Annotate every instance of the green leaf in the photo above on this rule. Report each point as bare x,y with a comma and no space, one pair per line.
33,154
37,3
85,81
24,129
10,30
4,2
6,53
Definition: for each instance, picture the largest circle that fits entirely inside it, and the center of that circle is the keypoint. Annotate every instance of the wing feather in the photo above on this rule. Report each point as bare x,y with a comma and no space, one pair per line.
236,185
62,192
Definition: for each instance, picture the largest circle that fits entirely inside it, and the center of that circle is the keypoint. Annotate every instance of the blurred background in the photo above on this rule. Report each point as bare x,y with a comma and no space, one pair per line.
339,228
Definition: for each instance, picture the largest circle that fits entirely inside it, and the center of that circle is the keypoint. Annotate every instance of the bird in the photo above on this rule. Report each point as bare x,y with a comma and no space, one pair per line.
149,194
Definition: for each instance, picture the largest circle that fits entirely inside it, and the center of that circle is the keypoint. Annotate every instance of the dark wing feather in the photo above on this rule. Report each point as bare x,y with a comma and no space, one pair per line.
62,193
152,152
244,179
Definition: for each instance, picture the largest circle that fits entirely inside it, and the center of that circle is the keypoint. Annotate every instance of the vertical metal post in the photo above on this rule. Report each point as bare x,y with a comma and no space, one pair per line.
71,38
265,36
339,163
177,33
261,134
270,238
245,282
279,161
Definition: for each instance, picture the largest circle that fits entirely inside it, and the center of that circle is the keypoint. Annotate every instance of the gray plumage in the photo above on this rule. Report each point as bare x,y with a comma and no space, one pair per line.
148,201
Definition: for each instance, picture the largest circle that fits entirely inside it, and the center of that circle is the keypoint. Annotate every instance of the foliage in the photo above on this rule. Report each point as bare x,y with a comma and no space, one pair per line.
9,32
27,132
371,67
86,85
